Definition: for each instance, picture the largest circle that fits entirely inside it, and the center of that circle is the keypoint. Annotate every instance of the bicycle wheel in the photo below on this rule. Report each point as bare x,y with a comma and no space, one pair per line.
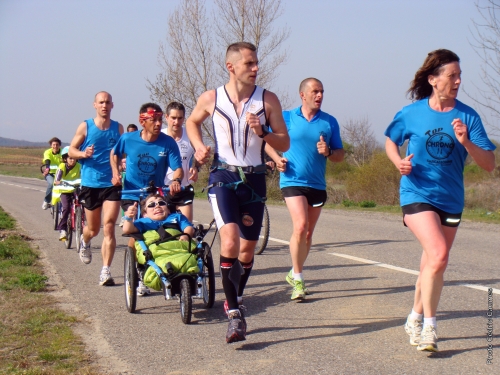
78,226
186,301
131,279
264,233
57,210
69,233
208,286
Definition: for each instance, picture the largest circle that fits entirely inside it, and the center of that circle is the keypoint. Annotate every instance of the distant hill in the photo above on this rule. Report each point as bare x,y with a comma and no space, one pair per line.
7,142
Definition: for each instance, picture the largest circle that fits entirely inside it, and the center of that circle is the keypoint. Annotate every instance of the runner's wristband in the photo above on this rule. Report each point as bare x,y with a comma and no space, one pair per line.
264,132
177,179
126,218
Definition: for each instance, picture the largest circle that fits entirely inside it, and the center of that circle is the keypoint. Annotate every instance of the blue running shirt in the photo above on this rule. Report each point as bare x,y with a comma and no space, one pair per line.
96,171
146,161
438,162
306,167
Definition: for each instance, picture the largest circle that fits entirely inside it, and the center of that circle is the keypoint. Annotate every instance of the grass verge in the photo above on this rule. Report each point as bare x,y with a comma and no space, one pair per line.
35,336
21,170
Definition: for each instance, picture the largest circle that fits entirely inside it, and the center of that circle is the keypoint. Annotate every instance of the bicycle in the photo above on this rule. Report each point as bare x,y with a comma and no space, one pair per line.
76,218
54,210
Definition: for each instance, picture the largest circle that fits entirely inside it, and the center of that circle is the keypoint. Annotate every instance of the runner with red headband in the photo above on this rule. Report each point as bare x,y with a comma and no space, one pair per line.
149,154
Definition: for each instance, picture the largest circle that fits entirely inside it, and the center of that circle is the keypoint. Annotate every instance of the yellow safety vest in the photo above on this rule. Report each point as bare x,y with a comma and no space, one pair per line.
73,177
55,160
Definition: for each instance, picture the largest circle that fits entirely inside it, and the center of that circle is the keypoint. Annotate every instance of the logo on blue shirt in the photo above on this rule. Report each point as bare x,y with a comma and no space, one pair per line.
147,164
440,145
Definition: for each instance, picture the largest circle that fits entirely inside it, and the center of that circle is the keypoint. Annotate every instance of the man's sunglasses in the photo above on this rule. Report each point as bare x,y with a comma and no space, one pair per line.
154,204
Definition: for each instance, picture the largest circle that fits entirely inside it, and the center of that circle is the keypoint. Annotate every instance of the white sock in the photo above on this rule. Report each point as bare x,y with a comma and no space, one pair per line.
240,300
298,276
105,268
416,316
430,322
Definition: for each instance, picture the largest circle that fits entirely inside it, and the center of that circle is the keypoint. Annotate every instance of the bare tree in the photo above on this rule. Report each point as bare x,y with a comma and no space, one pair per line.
252,21
362,143
187,58
486,43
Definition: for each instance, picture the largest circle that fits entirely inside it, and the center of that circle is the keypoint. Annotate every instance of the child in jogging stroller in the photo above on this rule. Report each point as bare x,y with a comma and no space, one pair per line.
170,255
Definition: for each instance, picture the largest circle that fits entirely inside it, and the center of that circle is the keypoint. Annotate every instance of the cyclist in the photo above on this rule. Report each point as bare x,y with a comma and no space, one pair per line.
182,201
51,160
241,113
68,171
149,154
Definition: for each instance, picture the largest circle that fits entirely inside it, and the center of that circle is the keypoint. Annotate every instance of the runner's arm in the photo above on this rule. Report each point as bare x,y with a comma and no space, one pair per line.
78,139
115,162
200,113
279,138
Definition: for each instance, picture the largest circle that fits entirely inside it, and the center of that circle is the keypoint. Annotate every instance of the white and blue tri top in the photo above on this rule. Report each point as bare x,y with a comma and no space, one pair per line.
235,143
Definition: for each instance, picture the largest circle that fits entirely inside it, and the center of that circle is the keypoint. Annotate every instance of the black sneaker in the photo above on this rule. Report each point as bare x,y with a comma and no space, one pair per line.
236,331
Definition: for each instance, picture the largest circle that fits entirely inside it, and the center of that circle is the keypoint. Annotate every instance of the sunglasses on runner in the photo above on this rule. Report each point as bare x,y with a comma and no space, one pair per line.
154,204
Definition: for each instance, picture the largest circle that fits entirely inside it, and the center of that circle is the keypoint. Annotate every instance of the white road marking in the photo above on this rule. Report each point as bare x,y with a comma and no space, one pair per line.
24,187
374,263
394,268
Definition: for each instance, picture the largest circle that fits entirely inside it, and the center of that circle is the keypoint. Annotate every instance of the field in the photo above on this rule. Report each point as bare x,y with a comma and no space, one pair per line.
21,155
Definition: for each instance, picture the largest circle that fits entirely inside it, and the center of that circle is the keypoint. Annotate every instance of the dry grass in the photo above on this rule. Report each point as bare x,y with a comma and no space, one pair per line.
21,155
35,336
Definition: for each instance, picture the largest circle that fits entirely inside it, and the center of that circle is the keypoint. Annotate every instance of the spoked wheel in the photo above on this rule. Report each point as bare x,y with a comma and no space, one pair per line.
57,209
264,233
186,301
69,233
208,282
131,279
78,226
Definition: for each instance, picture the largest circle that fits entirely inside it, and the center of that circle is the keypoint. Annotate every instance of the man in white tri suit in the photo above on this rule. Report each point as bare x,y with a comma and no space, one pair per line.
241,115
182,201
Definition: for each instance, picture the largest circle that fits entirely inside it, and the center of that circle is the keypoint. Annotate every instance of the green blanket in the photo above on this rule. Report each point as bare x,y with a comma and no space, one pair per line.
176,252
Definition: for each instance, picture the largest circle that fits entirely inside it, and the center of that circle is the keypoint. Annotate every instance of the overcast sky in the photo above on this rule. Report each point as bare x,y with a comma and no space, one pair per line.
56,54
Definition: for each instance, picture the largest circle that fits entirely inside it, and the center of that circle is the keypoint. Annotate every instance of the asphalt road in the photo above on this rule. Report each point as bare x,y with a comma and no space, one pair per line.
361,271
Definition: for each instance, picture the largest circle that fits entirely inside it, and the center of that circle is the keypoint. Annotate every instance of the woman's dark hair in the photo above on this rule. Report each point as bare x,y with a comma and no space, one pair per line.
143,202
420,87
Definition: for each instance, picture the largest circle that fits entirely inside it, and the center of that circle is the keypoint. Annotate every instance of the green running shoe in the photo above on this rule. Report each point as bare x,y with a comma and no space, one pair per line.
298,290
289,279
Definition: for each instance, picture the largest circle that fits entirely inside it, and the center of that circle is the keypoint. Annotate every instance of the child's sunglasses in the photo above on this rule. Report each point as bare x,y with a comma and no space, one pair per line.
154,204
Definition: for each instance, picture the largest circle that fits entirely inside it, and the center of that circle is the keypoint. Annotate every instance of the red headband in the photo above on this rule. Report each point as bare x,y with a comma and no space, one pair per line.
151,113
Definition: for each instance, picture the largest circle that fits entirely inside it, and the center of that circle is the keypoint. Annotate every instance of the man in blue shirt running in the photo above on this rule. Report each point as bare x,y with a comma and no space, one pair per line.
314,138
149,154
91,145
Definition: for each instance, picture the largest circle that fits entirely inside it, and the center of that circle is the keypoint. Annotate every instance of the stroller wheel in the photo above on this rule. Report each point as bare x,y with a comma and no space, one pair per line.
208,286
131,279
186,301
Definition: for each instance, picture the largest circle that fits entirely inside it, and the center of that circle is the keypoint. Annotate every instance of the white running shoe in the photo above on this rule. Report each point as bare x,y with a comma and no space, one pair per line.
414,329
122,220
85,252
62,235
428,340
105,278
45,205
142,289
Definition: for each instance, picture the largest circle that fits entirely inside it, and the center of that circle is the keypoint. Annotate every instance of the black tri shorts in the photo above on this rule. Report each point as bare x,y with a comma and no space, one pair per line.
447,219
315,197
92,198
182,198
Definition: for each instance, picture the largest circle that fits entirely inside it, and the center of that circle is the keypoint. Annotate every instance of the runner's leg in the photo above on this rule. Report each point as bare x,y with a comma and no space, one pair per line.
298,208
111,210
436,241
